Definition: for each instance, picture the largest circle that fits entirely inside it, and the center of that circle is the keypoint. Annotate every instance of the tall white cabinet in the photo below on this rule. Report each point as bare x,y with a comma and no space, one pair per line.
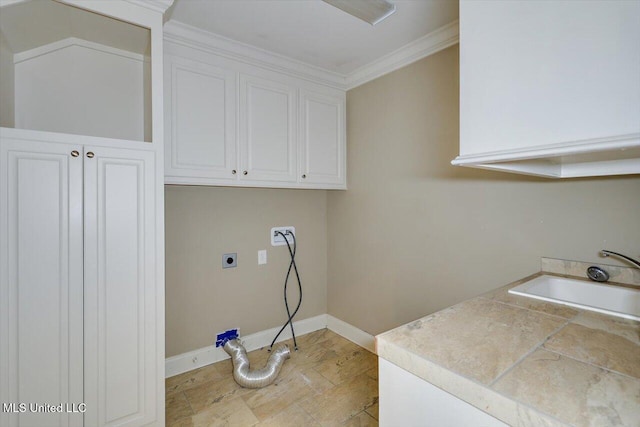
82,238
79,284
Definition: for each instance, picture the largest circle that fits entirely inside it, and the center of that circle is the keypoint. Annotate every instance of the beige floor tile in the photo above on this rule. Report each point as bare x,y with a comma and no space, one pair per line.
574,392
363,419
182,422
328,348
342,402
210,396
274,398
293,416
233,413
373,372
192,378
348,366
177,407
373,410
314,379
214,392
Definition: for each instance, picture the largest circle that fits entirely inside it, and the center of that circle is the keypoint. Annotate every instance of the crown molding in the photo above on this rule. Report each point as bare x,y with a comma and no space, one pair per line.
155,5
429,44
187,35
435,41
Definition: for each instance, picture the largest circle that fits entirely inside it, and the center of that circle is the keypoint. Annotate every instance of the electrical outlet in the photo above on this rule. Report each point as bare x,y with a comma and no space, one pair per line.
230,260
262,257
278,240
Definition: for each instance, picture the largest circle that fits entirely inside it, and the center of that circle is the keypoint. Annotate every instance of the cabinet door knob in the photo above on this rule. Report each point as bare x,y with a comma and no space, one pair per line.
90,154
304,176
245,173
75,153
233,172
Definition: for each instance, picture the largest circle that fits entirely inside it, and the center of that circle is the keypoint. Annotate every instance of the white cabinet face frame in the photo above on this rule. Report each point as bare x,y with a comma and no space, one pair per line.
201,120
41,284
268,112
120,287
322,139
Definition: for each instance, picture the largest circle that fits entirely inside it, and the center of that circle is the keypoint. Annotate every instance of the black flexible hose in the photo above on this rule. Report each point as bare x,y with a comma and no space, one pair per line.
292,253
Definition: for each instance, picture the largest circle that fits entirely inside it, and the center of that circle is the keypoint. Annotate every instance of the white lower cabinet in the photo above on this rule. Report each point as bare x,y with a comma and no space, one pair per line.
78,297
409,401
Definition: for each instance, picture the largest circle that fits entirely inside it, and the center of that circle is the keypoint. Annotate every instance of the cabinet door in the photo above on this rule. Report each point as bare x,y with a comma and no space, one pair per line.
407,400
322,136
40,281
200,103
120,287
267,130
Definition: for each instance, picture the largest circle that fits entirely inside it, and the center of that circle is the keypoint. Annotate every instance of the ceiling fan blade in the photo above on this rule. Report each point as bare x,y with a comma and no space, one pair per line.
371,11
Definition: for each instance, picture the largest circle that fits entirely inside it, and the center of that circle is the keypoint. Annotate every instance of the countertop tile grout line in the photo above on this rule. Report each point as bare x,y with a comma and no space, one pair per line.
613,371
535,311
478,383
529,353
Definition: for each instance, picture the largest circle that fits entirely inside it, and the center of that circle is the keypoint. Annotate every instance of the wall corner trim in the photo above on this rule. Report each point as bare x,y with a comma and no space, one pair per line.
195,359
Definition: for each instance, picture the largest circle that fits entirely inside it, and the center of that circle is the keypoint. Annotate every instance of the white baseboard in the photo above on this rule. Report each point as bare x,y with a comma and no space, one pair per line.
350,332
207,355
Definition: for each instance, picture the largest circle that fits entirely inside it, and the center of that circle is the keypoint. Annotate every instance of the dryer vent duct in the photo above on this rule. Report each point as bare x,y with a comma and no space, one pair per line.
260,377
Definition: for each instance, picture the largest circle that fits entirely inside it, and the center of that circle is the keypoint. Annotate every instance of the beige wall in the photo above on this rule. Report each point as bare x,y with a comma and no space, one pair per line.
414,234
202,223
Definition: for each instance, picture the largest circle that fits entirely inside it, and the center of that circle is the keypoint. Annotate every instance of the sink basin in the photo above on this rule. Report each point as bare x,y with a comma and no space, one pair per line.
608,299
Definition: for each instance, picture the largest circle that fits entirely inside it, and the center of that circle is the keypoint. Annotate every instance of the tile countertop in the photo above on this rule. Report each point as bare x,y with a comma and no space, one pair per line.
526,362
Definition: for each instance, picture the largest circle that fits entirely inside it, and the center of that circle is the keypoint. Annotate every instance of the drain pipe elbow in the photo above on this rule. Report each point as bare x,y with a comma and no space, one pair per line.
260,377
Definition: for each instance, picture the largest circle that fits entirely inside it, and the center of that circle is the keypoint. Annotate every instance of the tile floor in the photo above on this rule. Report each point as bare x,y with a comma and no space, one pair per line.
329,381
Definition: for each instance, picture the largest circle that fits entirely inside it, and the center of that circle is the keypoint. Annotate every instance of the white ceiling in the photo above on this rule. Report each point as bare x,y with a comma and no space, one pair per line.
315,32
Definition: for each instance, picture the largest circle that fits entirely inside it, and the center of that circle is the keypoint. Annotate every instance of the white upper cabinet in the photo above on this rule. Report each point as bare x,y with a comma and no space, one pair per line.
550,88
201,126
322,123
267,130
234,120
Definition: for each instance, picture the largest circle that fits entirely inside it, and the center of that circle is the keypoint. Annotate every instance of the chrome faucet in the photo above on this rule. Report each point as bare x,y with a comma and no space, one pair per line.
606,253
